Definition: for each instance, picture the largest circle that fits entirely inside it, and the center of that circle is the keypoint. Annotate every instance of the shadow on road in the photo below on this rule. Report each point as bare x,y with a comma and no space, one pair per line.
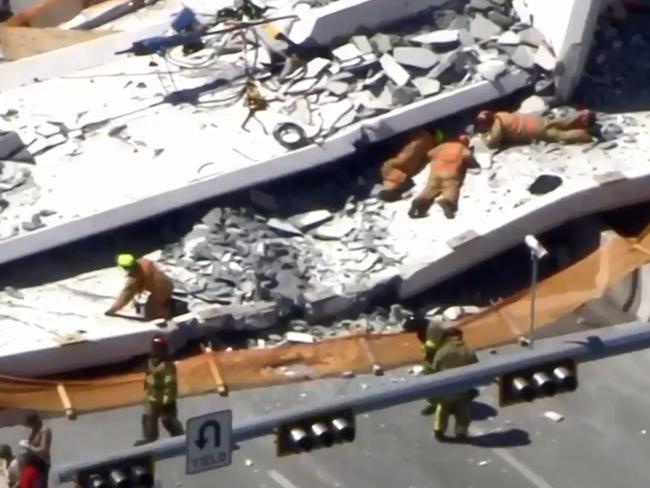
507,438
482,411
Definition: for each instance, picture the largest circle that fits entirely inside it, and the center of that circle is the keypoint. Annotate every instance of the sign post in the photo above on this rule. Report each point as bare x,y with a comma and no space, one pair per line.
209,442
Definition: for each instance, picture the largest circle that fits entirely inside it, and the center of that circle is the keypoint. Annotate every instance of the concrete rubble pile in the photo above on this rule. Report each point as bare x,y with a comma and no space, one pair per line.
294,260
319,91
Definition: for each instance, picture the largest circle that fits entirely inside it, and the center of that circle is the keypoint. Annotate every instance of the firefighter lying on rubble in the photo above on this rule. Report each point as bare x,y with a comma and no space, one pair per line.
447,168
443,349
503,128
398,171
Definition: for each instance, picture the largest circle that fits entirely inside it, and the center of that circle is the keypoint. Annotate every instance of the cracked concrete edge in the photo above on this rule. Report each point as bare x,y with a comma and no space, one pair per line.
341,145
180,331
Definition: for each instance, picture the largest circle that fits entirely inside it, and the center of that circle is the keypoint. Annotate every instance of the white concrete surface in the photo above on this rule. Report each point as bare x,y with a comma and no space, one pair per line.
568,26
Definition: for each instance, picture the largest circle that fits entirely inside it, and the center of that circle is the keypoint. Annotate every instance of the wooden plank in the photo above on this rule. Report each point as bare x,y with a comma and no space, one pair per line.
23,42
65,401
214,370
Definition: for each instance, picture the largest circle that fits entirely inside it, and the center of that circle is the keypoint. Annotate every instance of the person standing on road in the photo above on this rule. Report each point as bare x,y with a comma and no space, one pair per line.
161,390
444,348
31,471
10,465
39,441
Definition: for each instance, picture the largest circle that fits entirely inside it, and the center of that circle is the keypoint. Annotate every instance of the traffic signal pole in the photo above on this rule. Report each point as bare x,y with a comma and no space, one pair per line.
586,346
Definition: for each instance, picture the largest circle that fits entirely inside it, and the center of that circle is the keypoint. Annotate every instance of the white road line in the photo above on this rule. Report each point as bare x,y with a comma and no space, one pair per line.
524,470
280,479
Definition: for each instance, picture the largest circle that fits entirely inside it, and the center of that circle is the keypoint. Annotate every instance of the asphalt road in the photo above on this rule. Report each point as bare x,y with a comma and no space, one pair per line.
600,443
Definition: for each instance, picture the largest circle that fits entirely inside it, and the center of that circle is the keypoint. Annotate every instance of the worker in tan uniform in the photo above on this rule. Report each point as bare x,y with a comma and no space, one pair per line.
143,275
398,171
500,129
448,166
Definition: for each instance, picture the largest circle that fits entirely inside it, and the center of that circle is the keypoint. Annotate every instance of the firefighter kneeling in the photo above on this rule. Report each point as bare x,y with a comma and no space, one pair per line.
161,389
444,348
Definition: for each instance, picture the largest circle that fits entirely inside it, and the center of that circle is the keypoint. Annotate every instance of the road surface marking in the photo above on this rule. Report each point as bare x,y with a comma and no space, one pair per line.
524,470
280,479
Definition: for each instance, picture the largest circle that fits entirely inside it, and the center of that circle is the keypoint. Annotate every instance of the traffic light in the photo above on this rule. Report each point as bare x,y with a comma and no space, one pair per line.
536,382
315,432
130,473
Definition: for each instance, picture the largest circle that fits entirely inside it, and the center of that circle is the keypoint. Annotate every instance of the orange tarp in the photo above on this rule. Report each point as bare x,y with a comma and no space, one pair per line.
558,295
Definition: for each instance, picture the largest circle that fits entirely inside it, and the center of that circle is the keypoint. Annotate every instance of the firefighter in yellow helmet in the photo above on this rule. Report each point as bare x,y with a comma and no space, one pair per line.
144,275
161,389
445,349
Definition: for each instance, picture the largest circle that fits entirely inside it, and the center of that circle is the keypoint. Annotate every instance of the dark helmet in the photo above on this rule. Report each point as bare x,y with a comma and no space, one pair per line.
159,345
485,117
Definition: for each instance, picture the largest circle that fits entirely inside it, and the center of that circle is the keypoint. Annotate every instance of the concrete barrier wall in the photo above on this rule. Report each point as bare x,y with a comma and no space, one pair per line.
568,26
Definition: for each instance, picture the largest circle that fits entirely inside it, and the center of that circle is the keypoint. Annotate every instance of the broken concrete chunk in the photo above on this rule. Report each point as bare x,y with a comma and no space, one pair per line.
524,57
480,4
338,114
533,105
337,88
466,39
263,200
417,57
47,129
300,337
336,229
509,38
346,52
362,43
310,219
447,60
483,29
554,416
531,36
427,86
34,224
492,69
447,36
382,43
545,59
501,20
283,227
12,148
394,71
315,67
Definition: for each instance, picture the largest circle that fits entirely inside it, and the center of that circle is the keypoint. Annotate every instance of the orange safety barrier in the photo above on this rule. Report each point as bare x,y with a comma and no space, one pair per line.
557,295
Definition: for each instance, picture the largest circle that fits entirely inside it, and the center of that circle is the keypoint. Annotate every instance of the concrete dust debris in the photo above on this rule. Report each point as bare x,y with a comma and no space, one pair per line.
644,432
484,463
248,462
554,416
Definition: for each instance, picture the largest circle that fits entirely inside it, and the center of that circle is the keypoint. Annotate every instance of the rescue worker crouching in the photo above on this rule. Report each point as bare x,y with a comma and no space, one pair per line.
448,166
161,390
500,129
398,171
144,275
444,348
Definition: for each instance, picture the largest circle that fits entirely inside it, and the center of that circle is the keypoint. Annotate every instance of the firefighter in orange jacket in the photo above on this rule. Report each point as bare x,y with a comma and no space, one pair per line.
449,162
398,171
502,128
143,275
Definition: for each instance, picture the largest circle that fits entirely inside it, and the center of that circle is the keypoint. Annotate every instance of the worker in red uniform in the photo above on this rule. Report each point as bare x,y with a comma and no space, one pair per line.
31,473
398,171
449,162
143,275
503,128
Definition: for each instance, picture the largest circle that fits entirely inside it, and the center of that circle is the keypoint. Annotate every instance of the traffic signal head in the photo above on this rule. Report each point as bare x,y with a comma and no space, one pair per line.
130,473
315,432
537,382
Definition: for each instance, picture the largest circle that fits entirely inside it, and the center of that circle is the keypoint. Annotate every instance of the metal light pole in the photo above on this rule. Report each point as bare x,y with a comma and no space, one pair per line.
537,251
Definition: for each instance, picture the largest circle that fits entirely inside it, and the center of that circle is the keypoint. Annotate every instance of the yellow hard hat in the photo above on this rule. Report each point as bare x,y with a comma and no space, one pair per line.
125,261
438,136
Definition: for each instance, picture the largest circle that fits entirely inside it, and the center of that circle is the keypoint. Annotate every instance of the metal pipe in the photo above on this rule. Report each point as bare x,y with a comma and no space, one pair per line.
585,346
544,384
533,296
567,379
300,438
323,433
